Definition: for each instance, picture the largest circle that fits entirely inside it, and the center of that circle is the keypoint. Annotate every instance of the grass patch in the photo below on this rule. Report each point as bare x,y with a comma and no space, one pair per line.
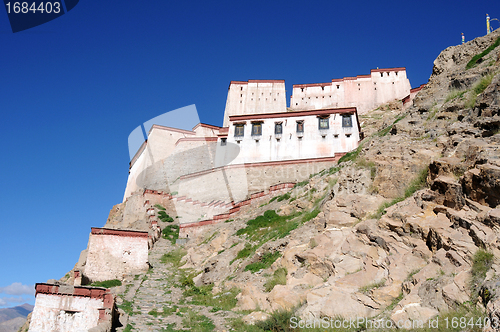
301,184
483,84
265,262
416,184
481,263
278,278
127,307
455,94
107,283
210,238
363,163
128,328
386,130
159,207
173,257
411,274
197,323
473,62
244,253
268,226
225,300
350,155
374,285
163,216
284,197
310,215
171,232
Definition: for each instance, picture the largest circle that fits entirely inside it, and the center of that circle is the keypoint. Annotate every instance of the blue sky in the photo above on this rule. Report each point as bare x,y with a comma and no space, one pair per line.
73,89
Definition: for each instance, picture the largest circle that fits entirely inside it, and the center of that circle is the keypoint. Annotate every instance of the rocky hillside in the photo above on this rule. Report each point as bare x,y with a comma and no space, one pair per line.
405,228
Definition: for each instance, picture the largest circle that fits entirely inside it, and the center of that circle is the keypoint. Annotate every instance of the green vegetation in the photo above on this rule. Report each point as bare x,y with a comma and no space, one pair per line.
244,253
473,62
373,285
386,130
197,323
173,257
129,328
163,216
268,226
210,238
411,274
418,183
127,307
363,163
265,262
278,278
171,232
455,94
280,198
159,207
301,184
481,263
350,155
107,283
483,84
224,300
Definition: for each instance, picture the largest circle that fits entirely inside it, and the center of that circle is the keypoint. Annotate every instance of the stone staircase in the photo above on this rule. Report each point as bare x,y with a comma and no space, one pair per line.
159,290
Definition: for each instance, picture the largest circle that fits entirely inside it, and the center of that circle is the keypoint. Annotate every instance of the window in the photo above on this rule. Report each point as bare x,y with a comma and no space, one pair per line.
278,128
346,121
257,129
239,130
223,141
323,123
300,126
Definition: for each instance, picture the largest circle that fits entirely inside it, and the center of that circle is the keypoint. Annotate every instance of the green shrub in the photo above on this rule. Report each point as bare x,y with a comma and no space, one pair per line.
244,253
374,285
173,257
265,261
159,207
416,184
107,283
301,184
284,197
350,155
481,263
171,232
472,63
279,321
197,323
278,278
163,216
483,83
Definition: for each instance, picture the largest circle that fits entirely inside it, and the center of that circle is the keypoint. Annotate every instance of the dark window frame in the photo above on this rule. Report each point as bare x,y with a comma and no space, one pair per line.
280,126
300,126
322,121
256,128
347,121
239,130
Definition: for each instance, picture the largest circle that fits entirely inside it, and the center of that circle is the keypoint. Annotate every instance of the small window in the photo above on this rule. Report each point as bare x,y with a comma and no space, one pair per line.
223,141
338,87
381,74
241,88
257,129
323,88
347,135
302,89
336,136
300,126
278,128
239,130
346,121
323,123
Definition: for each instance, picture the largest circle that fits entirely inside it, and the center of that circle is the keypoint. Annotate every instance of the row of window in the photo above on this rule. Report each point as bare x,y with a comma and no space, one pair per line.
323,124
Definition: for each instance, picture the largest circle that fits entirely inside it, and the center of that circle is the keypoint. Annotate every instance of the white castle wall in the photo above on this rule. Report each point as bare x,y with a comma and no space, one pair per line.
114,253
255,96
63,308
365,92
291,145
